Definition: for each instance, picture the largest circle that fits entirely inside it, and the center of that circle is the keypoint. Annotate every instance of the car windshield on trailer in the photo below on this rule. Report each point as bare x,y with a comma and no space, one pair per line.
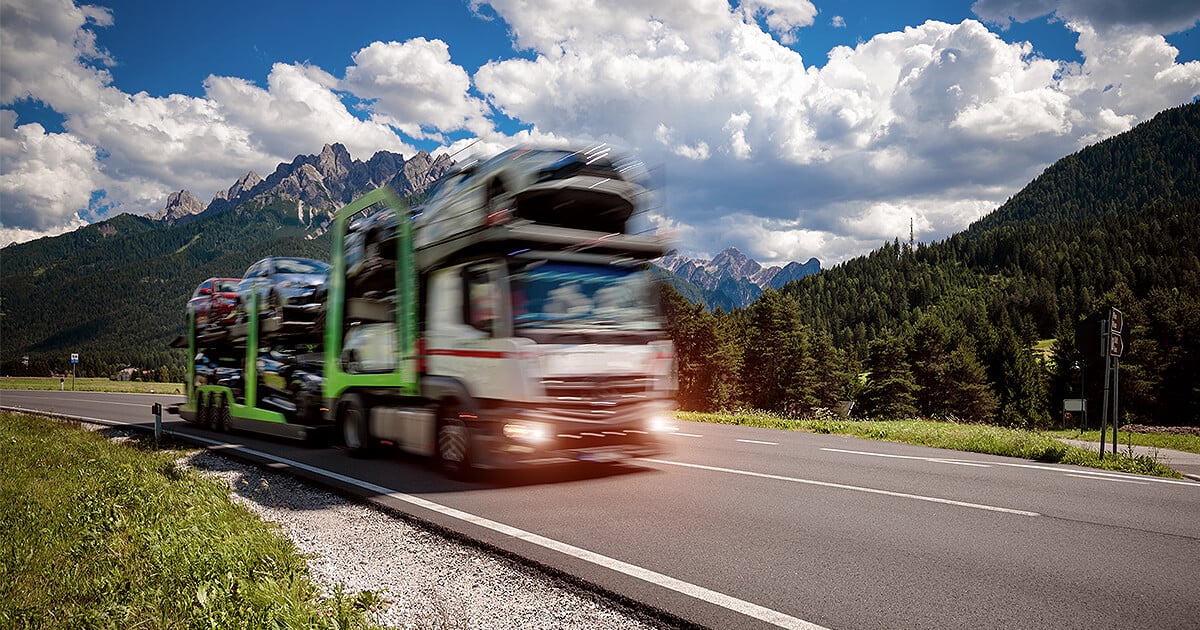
549,294
300,265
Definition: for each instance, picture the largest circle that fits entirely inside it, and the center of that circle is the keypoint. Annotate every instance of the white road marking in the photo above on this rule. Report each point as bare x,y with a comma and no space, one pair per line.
687,434
1099,478
728,602
760,442
842,486
1046,467
939,460
749,609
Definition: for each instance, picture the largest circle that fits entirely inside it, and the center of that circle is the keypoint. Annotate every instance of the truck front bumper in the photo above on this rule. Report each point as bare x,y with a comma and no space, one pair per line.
514,440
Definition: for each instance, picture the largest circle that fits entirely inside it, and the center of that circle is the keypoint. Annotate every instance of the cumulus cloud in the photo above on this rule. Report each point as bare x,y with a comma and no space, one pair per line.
945,118
936,123
138,148
1153,16
45,178
416,87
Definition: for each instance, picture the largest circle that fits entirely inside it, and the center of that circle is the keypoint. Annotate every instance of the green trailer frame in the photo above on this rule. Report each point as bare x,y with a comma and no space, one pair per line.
403,380
216,406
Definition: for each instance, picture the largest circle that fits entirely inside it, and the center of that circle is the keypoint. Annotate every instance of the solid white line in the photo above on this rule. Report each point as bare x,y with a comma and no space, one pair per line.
1099,478
728,602
842,486
939,460
749,609
760,442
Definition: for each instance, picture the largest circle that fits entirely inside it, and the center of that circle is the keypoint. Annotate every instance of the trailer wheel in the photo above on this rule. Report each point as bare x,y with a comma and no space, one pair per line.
202,411
356,433
453,445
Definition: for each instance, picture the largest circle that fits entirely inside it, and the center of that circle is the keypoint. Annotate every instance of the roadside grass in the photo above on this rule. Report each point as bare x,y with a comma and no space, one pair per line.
960,437
90,385
1188,443
95,534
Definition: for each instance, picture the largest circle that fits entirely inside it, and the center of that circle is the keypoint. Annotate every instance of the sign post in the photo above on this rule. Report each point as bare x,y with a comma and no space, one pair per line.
1112,346
74,361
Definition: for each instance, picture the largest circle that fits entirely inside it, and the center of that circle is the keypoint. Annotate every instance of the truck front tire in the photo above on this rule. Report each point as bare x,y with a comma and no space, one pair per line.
453,445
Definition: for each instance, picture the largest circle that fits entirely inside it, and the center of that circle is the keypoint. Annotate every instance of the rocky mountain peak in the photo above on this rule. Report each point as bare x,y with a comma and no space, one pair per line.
732,279
241,187
334,161
179,205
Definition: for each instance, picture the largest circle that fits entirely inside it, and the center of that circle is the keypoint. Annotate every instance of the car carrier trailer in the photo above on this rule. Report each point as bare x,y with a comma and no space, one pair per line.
484,339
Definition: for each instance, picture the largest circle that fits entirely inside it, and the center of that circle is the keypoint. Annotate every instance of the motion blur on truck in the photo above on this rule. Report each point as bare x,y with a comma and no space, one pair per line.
509,321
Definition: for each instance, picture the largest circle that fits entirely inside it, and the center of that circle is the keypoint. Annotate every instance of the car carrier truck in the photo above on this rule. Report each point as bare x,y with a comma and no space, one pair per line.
508,322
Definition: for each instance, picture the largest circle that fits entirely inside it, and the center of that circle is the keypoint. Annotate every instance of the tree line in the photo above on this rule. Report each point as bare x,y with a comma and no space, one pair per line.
984,327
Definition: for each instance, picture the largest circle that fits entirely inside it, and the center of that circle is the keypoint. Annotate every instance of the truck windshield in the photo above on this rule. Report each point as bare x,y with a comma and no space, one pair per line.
571,295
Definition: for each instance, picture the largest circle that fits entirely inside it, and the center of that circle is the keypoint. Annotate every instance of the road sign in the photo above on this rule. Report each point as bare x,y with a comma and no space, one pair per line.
1116,321
1116,345
74,357
1074,404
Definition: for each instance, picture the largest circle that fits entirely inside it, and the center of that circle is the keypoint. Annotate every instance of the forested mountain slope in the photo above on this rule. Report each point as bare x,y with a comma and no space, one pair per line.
945,329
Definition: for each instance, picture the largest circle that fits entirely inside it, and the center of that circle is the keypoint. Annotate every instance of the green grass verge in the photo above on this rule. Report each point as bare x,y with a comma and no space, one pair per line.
1187,443
90,385
960,437
101,535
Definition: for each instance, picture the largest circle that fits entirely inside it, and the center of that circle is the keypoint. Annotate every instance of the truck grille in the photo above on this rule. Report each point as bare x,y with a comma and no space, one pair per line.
591,398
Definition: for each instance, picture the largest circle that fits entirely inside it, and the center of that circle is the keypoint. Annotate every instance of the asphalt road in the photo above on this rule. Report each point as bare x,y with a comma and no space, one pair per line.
744,528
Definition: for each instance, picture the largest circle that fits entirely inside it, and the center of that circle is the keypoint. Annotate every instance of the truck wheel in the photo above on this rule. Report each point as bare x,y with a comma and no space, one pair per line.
453,446
223,416
356,433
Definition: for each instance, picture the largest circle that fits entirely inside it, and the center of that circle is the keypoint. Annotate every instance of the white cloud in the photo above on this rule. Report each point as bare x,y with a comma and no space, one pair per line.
298,112
45,178
783,17
838,22
416,87
939,122
946,116
1145,16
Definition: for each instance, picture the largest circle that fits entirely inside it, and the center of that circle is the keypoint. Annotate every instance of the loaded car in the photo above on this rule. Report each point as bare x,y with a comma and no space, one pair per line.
590,190
290,382
213,301
370,247
290,288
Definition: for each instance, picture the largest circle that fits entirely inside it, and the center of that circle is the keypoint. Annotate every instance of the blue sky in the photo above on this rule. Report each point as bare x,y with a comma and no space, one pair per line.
787,128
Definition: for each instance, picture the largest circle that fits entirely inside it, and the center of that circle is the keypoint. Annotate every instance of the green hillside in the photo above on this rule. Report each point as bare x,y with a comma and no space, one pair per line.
945,329
115,291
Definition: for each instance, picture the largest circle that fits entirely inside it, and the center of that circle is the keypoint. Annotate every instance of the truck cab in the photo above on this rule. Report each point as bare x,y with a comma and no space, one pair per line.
515,333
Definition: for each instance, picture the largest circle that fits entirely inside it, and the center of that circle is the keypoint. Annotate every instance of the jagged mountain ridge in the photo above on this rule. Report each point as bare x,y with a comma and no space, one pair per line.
732,279
319,184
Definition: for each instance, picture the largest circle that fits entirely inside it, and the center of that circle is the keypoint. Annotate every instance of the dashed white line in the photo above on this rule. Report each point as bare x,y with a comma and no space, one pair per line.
842,486
759,442
1102,478
938,460
687,435
1046,467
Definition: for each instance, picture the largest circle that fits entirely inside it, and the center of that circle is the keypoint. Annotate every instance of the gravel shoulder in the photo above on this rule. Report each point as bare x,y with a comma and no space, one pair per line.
425,579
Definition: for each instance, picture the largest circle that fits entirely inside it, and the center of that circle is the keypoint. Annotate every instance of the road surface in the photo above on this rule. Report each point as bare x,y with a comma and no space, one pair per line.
755,528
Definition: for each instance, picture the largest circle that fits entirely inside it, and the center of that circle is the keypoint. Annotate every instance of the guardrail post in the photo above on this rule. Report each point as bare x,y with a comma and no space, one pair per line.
156,409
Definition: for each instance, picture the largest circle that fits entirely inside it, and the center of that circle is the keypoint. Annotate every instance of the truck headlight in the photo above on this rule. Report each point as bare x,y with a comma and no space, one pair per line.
528,432
661,423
